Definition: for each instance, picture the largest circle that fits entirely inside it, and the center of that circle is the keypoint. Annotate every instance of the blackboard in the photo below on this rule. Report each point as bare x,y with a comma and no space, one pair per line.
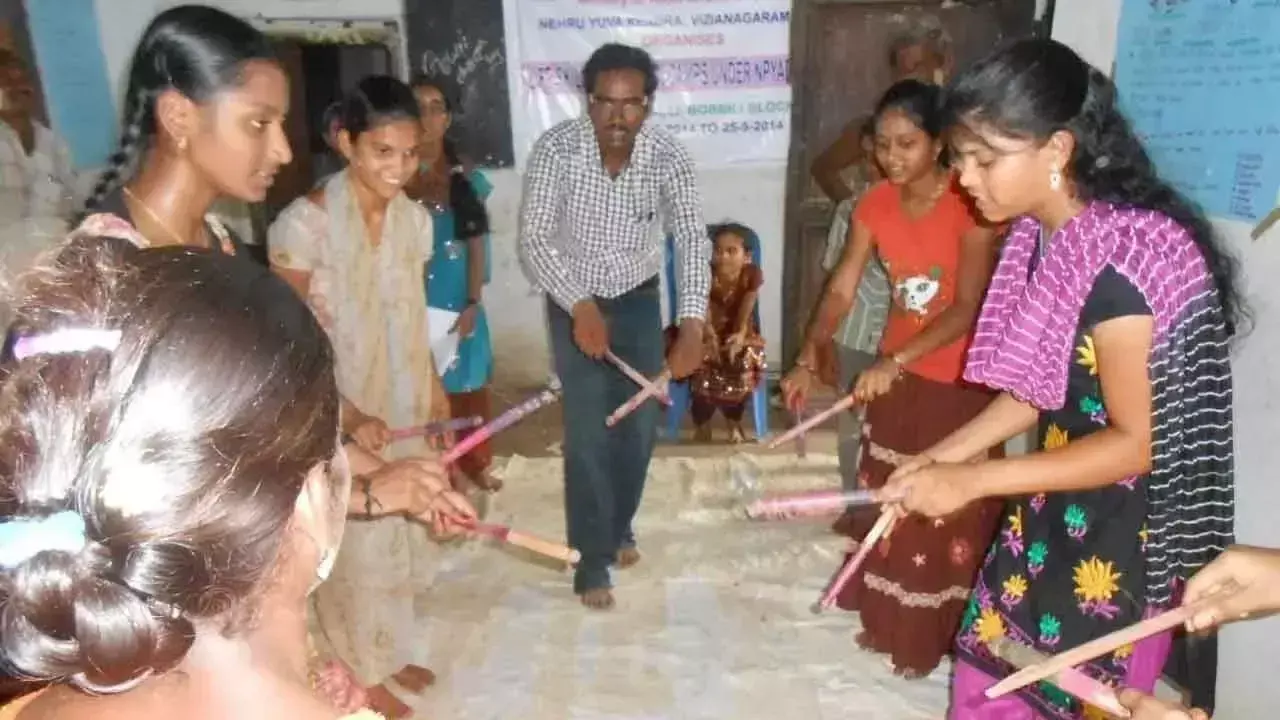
1201,83
464,39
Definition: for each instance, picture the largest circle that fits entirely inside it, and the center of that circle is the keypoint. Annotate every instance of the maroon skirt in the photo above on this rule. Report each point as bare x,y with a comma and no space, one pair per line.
912,588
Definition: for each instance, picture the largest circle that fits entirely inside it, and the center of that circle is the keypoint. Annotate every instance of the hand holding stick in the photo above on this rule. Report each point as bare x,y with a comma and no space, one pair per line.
658,392
638,399
436,428
512,415
887,518
815,420
1101,646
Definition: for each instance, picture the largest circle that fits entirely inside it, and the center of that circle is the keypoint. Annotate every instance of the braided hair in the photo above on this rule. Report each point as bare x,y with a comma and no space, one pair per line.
194,50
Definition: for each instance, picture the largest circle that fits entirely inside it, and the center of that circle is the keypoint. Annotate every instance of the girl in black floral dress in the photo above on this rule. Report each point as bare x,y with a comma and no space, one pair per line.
1106,324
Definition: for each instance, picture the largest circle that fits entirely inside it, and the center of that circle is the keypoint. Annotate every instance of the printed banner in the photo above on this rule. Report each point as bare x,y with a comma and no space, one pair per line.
723,69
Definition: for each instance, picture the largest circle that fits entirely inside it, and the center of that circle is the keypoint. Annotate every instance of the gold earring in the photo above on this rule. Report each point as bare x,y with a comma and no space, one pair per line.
1055,179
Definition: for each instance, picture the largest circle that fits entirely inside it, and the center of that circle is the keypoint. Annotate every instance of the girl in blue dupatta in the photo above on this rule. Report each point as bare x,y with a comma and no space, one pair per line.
460,264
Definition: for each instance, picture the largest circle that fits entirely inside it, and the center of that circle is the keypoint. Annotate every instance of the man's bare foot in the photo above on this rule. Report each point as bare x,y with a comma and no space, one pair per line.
413,678
702,433
383,702
737,435
598,599
627,557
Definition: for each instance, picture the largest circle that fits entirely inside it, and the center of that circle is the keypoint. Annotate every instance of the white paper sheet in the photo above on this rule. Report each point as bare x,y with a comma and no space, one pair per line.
444,344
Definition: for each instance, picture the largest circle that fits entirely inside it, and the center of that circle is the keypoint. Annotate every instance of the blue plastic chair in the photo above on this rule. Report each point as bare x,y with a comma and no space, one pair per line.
679,391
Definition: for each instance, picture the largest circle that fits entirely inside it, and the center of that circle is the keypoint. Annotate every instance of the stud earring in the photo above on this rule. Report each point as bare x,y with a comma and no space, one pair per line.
1055,179
182,144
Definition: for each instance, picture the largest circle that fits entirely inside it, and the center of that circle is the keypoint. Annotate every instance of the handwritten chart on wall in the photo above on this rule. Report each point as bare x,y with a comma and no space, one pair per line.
73,70
465,40
1200,79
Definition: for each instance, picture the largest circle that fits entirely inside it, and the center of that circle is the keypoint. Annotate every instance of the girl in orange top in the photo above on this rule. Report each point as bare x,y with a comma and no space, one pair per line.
911,592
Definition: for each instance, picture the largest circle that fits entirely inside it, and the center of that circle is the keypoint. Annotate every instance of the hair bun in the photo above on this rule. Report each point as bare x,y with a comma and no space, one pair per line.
65,618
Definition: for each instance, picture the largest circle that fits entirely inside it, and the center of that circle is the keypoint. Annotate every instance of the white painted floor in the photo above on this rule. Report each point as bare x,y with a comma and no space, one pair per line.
714,623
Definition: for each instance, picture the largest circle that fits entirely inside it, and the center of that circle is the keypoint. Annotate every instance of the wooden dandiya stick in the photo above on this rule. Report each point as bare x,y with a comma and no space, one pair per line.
798,417
1103,645
659,392
546,548
813,421
637,400
1070,680
845,574
510,417
436,428
823,502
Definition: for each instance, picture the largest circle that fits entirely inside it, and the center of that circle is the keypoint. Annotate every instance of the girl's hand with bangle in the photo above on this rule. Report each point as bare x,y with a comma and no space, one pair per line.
417,488
797,384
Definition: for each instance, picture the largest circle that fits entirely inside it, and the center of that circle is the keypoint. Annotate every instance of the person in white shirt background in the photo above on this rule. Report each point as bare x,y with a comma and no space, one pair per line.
37,182
36,176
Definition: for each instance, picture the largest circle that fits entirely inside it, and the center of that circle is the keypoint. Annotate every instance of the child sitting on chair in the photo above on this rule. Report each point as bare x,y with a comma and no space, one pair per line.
733,351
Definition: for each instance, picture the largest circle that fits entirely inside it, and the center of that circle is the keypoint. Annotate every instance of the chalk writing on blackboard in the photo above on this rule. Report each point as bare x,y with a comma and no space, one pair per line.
1201,83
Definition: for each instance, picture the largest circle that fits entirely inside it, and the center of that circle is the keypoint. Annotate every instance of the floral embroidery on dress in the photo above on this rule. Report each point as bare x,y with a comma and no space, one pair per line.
1015,587
1055,438
1036,555
1077,521
1096,585
1091,406
1013,533
1050,631
1088,356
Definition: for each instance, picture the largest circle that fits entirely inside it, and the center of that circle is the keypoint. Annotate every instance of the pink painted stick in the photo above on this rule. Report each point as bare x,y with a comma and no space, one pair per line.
547,548
815,420
512,415
1103,645
1069,679
644,382
826,502
846,572
800,449
636,400
436,428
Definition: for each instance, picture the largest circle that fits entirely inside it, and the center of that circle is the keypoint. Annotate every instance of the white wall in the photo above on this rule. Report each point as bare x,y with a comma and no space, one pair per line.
1246,685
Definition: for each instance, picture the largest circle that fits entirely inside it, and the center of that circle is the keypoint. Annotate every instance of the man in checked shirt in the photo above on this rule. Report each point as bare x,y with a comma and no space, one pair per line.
598,191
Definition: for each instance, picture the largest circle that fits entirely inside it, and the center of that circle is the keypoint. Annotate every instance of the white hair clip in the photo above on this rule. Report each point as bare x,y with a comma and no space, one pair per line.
64,341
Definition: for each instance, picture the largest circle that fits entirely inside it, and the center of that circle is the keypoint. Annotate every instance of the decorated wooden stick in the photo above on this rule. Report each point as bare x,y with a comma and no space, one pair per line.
1069,679
824,502
846,572
436,428
546,548
545,397
659,392
813,421
637,400
1103,645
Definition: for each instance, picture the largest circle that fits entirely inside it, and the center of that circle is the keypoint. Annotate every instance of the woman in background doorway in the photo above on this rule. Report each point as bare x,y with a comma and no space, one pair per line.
460,262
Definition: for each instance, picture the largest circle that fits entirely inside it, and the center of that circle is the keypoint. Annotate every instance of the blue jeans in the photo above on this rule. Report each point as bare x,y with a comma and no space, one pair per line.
605,468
